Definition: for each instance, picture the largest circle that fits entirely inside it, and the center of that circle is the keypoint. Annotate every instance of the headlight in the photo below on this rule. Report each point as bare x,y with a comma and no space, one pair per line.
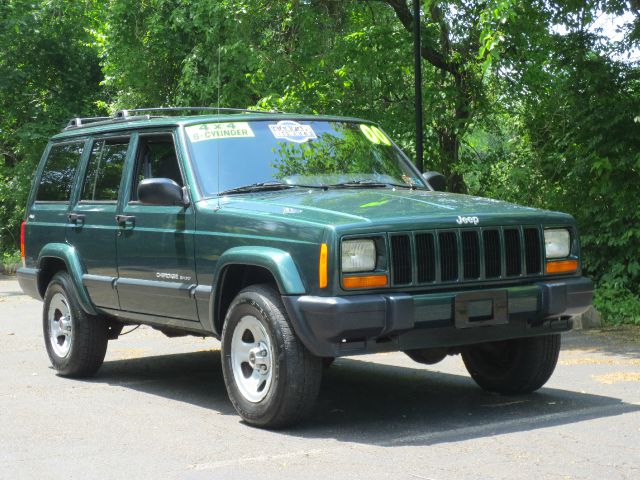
358,255
557,243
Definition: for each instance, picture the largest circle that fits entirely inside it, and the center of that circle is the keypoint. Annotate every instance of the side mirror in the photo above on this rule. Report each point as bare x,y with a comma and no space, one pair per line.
160,191
436,180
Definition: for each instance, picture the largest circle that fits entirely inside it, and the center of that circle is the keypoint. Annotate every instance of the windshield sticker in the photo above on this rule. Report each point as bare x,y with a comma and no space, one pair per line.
292,131
217,131
375,135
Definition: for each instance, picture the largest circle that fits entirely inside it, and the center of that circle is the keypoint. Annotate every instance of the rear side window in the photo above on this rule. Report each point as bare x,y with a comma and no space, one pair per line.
104,170
59,171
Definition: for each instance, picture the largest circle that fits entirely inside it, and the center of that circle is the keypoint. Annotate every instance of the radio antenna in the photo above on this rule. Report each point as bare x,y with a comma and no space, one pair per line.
218,79
218,143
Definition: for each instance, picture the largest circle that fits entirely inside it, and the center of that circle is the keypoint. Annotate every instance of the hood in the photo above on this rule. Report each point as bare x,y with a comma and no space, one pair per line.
390,207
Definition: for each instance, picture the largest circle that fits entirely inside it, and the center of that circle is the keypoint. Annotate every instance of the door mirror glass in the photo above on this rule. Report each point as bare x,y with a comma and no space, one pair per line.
436,180
160,191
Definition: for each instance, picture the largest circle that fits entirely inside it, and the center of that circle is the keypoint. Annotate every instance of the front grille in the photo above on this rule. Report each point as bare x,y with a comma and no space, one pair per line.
448,256
401,259
465,255
426,257
512,251
471,254
492,254
533,250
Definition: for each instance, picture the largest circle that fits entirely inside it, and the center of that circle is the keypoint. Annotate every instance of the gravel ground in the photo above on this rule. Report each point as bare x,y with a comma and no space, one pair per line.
158,409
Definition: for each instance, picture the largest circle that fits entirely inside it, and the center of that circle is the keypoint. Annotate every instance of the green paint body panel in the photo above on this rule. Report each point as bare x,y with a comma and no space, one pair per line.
167,266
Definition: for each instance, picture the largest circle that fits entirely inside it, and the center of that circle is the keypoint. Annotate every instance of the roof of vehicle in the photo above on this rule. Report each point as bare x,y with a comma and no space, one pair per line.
126,121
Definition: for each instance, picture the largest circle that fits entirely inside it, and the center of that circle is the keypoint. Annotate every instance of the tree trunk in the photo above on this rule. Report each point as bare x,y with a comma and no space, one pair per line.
449,149
449,132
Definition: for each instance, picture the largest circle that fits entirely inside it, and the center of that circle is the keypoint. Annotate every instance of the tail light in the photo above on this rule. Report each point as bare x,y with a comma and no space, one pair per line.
22,225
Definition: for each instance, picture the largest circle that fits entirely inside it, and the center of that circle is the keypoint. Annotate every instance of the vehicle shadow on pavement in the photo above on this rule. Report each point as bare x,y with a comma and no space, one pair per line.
194,378
374,403
389,405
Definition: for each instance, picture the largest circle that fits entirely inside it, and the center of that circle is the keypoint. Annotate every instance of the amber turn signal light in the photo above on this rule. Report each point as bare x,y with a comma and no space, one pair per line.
323,267
370,281
563,266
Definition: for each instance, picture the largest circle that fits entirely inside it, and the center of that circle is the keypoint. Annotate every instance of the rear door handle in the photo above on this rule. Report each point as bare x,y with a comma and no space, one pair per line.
120,219
76,218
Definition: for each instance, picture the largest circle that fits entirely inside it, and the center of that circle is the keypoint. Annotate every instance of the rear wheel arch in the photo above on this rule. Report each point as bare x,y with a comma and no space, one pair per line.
49,266
63,257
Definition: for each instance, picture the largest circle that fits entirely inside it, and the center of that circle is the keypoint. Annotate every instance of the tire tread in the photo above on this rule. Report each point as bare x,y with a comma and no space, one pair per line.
90,336
535,361
303,371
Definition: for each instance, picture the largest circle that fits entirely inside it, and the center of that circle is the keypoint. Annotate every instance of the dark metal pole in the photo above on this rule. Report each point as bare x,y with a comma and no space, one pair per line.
418,80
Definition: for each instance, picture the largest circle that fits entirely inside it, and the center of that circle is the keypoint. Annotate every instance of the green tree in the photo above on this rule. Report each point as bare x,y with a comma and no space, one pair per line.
49,72
567,139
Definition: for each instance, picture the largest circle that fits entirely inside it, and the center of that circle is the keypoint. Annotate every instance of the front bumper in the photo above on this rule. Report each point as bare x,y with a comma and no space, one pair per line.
349,325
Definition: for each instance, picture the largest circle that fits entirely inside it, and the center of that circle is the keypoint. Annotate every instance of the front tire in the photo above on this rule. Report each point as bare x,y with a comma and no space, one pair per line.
76,341
271,378
513,366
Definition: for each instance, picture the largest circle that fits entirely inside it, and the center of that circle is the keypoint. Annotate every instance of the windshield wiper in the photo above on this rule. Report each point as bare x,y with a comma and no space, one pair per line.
257,187
370,184
265,186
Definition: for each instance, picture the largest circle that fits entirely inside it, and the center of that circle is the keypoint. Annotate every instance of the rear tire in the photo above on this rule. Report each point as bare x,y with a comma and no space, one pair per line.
427,356
76,341
271,378
513,366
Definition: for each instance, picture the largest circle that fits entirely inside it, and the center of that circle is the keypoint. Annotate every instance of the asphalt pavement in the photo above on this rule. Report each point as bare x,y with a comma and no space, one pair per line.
158,409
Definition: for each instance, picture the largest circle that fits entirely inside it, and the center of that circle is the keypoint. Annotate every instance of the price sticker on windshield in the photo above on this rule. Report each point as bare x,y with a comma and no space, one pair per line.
292,131
218,131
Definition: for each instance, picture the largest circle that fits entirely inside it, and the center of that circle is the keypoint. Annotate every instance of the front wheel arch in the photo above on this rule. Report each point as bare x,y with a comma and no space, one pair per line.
272,265
233,279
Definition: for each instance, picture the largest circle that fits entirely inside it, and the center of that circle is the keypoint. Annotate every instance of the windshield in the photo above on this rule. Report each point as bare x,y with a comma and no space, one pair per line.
228,156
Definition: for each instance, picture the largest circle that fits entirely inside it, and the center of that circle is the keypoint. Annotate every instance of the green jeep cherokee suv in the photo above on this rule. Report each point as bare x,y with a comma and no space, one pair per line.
294,239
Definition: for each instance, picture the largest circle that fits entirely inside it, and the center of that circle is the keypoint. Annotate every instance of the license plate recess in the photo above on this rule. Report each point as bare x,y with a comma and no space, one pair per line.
477,309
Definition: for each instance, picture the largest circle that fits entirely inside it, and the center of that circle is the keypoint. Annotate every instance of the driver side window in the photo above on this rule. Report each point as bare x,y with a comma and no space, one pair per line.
156,158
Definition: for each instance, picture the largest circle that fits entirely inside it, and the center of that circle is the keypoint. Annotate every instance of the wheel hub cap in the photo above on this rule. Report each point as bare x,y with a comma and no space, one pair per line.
60,325
251,359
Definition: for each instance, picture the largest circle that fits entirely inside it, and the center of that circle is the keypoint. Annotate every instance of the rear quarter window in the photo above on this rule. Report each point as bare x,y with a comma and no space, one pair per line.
59,171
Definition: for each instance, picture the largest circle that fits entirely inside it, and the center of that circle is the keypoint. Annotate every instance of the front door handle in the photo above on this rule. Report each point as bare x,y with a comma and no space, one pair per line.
120,219
76,218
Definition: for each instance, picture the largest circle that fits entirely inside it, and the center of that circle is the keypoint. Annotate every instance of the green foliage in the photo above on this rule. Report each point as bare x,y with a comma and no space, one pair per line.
10,260
49,72
617,304
575,150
